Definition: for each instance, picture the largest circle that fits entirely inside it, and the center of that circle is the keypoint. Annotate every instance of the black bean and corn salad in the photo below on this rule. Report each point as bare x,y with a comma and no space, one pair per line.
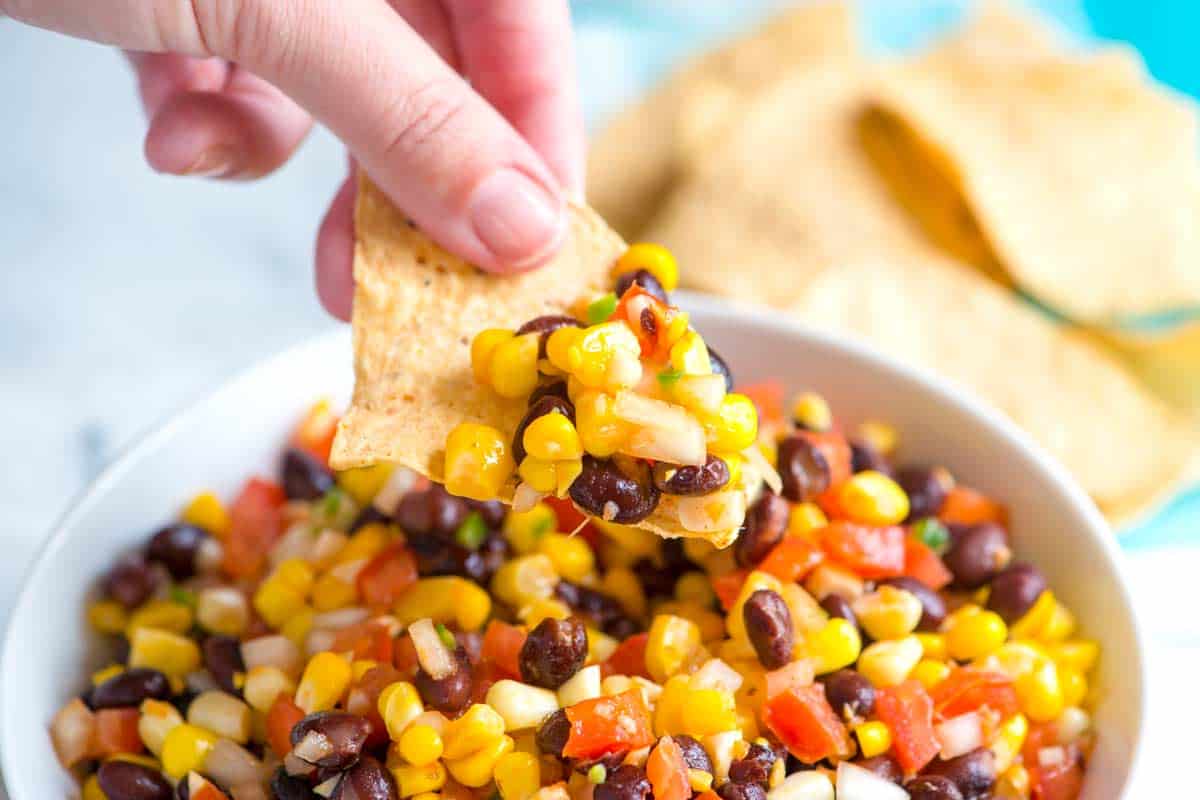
368,635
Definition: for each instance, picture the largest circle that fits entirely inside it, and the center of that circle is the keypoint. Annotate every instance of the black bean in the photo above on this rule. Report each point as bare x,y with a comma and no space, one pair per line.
368,515
741,791
175,547
288,787
223,658
130,688
183,789
766,522
719,367
769,627
754,767
694,754
343,733
597,606
553,389
933,607
304,477
974,773
124,780
926,488
547,405
131,581
622,628
932,787
604,491
492,511
837,606
643,278
367,780
1015,590
553,652
976,554
864,456
552,734
691,480
803,469
545,326
431,512
451,693
850,695
883,766
626,782
655,581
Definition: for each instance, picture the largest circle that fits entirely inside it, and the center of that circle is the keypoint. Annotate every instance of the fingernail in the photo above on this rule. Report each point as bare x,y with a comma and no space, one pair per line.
516,218
216,162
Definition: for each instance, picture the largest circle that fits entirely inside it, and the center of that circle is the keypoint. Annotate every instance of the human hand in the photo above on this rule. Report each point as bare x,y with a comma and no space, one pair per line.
231,88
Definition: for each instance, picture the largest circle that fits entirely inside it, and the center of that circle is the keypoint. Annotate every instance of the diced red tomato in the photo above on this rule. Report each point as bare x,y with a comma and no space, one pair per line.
792,559
1041,734
922,563
967,689
869,551
796,674
907,710
387,576
966,506
281,718
571,518
315,432
371,639
363,699
483,677
729,586
255,522
606,725
204,789
652,336
629,658
116,732
806,724
767,397
502,645
668,772
1062,781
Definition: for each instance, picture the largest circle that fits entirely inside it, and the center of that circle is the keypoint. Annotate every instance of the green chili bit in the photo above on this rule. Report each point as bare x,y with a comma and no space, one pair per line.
182,596
472,531
932,534
601,309
669,377
446,636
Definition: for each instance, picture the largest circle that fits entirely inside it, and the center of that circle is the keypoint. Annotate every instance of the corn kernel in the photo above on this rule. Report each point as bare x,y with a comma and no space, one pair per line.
483,348
169,653
513,371
477,769
111,671
223,610
525,529
525,579
156,719
1039,692
810,411
1078,654
833,647
710,623
325,680
363,483
511,706
1060,626
265,683
413,780
873,498
550,477
479,726
672,640
331,593
478,461
185,749
299,626
583,685
734,427
699,781
827,579
399,704
552,437
889,663
1036,618
367,542
420,745
1013,782
571,556
972,633
517,776
933,645
655,259
805,518
538,610
222,713
879,435
205,511
559,345
1008,740
161,614
600,646
930,673
624,585
605,356
888,612
708,711
695,587
668,710
874,739
108,616
1074,685
92,790
448,599
689,355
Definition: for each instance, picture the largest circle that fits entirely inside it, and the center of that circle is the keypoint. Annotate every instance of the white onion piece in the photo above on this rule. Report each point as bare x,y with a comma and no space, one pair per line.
313,747
71,732
228,763
347,571
686,448
650,413
296,542
200,680
432,653
959,735
319,641
1072,724
297,766
399,483
856,783
525,497
720,748
327,788
272,651
809,785
716,674
209,555
766,471
1051,756
340,618
327,544
700,392
711,513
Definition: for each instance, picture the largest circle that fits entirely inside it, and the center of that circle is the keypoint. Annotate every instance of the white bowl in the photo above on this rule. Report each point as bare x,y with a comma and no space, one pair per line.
239,430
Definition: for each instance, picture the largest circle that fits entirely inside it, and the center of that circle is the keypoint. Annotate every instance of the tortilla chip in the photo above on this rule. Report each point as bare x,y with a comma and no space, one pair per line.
1124,446
1081,178
644,149
1168,361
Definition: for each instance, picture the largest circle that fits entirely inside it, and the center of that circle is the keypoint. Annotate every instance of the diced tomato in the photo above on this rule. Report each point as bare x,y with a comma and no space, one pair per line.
1041,734
966,506
767,397
729,586
387,576
792,559
806,724
606,725
116,732
483,677
629,658
907,710
967,689
363,699
371,639
651,334
796,674
922,563
1062,781
404,656
281,718
869,551
315,432
205,790
571,518
668,772
502,645
255,522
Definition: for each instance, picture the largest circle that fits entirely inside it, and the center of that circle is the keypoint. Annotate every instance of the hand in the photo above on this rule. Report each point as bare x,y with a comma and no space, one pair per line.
232,86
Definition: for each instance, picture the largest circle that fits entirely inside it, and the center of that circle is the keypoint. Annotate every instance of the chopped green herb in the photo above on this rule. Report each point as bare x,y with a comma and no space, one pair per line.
932,534
597,774
182,596
446,636
669,377
542,527
601,309
331,502
472,531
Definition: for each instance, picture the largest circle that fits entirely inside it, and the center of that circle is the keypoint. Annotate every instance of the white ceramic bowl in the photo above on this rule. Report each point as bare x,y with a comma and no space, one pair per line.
240,429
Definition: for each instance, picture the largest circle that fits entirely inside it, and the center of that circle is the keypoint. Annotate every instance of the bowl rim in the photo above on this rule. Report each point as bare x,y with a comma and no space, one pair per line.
944,389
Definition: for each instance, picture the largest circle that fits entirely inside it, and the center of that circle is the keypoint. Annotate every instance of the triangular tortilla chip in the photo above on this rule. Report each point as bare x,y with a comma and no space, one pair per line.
1126,448
1081,178
642,152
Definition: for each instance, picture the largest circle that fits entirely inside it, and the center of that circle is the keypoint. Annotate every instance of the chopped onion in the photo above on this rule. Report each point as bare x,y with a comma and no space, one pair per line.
297,542
340,618
716,674
1072,724
1052,756
700,392
662,431
807,785
959,735
200,680
209,555
294,765
650,413
710,513
856,783
228,763
326,545
432,653
327,788
318,641
272,651
720,747
797,673
755,458
525,498
399,483
71,732
313,747
347,571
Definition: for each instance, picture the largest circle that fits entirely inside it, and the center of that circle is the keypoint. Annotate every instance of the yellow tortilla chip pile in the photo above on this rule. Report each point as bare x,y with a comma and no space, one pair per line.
902,202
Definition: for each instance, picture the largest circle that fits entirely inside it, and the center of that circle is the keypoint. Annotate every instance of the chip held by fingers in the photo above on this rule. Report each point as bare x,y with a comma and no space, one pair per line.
579,380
